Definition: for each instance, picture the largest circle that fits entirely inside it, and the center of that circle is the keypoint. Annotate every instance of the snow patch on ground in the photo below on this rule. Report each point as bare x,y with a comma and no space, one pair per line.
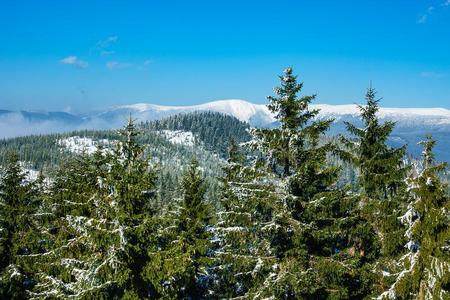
78,145
31,174
179,137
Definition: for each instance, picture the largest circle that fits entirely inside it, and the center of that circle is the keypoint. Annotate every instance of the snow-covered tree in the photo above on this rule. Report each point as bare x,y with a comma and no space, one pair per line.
286,207
102,207
179,266
245,223
380,166
18,202
424,271
381,174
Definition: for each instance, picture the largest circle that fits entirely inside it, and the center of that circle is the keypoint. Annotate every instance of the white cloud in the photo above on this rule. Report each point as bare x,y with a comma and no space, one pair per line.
424,18
430,10
102,44
112,65
74,61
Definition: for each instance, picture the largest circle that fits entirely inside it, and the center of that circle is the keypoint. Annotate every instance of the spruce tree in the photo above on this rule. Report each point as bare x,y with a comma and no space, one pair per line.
180,266
381,175
245,226
288,205
19,236
132,204
71,258
424,271
380,166
102,211
320,225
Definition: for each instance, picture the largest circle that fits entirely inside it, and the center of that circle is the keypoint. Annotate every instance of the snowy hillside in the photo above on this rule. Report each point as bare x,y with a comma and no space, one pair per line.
78,145
179,137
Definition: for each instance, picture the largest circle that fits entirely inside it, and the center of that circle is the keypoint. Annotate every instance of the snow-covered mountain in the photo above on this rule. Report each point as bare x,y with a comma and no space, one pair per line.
259,115
412,123
254,114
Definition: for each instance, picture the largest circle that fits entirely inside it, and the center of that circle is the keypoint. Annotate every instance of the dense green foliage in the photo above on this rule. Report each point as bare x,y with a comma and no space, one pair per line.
141,217
213,129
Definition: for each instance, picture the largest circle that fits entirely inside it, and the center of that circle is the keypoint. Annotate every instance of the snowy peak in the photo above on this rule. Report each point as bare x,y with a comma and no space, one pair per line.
259,114
242,110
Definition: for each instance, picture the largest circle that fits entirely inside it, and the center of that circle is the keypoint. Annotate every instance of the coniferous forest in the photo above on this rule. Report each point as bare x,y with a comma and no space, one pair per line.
277,221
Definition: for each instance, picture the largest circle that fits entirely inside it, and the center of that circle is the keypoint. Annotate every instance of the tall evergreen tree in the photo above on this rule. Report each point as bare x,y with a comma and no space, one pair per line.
381,175
244,228
285,204
179,268
380,166
17,236
103,208
424,271
132,185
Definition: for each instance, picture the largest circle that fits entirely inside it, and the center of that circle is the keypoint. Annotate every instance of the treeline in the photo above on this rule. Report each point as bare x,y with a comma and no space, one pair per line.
45,152
212,128
281,226
212,131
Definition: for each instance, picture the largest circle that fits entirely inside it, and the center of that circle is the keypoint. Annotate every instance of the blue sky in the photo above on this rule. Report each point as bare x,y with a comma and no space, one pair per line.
83,55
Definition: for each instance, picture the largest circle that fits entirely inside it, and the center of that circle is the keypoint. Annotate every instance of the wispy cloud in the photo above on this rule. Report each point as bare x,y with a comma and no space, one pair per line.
430,10
103,45
112,65
424,18
107,42
74,61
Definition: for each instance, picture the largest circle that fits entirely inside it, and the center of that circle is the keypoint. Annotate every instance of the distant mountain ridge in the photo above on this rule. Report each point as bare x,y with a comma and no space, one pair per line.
412,124
259,114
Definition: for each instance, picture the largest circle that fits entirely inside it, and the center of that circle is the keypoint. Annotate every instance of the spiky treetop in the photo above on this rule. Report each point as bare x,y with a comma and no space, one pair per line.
292,111
380,166
130,147
425,268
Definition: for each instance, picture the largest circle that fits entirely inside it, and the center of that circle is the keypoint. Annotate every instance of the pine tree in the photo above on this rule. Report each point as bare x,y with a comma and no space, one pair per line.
132,204
285,203
320,226
18,236
380,166
244,228
381,177
70,258
102,209
180,266
424,271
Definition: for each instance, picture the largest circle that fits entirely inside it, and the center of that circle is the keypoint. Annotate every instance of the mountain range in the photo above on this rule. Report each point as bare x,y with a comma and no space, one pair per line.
412,124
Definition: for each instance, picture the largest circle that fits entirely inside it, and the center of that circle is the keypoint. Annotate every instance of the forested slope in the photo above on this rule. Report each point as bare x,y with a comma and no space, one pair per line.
279,225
